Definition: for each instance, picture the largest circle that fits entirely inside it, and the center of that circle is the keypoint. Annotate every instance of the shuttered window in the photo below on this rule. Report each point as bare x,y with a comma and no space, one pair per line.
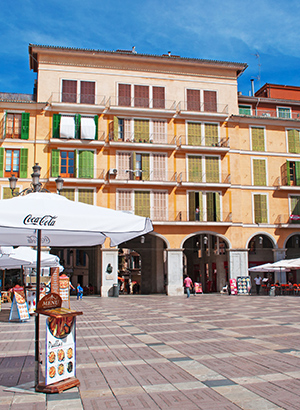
141,130
211,135
142,203
87,92
294,141
13,125
124,165
67,162
284,112
260,209
145,166
158,97
159,167
23,162
124,95
159,132
193,100
213,206
12,162
55,162
68,193
85,164
7,194
195,168
159,206
141,96
212,169
125,201
259,172
258,139
295,205
56,125
210,101
69,91
194,133
86,196
245,110
195,206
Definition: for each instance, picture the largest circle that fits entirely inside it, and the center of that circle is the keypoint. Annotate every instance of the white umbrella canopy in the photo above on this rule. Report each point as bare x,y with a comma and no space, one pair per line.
64,222
27,257
288,263
268,267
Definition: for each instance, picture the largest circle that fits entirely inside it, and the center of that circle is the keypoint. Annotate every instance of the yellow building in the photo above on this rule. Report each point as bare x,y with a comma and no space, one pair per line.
160,136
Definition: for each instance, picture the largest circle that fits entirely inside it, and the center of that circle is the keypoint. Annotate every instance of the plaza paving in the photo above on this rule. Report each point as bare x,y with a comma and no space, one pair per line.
212,352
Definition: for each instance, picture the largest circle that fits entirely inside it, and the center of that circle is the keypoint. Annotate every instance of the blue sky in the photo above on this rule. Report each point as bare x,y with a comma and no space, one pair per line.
235,30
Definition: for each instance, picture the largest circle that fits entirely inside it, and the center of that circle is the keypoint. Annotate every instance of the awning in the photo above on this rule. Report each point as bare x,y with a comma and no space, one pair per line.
67,127
87,128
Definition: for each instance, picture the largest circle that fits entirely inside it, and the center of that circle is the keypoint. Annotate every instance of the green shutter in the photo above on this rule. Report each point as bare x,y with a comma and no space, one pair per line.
77,125
194,133
86,196
200,205
259,172
68,193
295,205
96,126
141,130
85,164
55,125
244,110
211,135
297,171
75,163
258,139
260,208
217,204
212,169
192,206
25,126
55,160
146,167
23,162
195,168
1,161
116,128
213,206
142,203
294,141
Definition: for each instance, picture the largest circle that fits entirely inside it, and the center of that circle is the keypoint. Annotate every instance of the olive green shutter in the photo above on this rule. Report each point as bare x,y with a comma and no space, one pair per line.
55,160
25,126
259,172
116,128
211,135
192,206
218,206
146,167
7,194
294,141
297,171
194,133
86,196
195,168
77,125
56,125
142,203
258,140
260,208
286,171
141,130
96,126
212,169
1,161
295,205
68,193
23,162
210,206
85,164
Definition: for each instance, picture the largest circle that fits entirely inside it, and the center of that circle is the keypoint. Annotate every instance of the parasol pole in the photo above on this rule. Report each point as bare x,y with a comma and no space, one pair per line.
37,318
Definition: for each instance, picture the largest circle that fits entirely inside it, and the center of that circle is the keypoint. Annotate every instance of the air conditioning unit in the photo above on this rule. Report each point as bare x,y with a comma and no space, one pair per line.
113,171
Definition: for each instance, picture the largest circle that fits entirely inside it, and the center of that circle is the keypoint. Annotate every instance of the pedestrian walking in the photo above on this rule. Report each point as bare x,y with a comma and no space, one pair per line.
187,283
257,281
79,292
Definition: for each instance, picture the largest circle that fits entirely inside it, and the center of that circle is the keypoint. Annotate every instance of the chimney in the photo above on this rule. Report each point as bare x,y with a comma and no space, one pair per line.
252,87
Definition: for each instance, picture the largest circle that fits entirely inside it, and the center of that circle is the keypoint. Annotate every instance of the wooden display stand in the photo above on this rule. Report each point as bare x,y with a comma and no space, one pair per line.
50,306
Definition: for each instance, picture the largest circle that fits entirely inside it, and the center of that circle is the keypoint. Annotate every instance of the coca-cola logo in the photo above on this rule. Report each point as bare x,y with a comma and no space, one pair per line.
46,220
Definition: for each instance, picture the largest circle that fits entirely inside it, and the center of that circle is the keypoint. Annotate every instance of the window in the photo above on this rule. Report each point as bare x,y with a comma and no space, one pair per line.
294,141
69,91
141,131
210,101
125,201
159,135
260,208
16,125
295,208
68,193
13,161
159,206
258,138
213,206
211,135
159,167
212,169
86,196
204,206
152,204
194,133
195,206
283,112
195,130
259,172
7,194
195,168
290,173
158,97
87,92
121,129
193,100
142,166
75,126
141,96
124,95
63,163
142,203
245,110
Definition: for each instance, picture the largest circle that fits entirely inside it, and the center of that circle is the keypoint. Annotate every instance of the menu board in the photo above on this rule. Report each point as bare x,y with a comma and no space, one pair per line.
60,348
31,300
19,308
64,288
243,285
198,287
233,286
55,280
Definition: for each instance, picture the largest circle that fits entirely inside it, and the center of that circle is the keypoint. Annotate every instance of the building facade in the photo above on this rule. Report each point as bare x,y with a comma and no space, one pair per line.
165,137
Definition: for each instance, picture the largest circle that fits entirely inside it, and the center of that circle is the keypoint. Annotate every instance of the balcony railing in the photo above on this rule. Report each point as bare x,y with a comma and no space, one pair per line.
101,136
204,217
153,138
153,104
202,108
205,178
288,219
272,114
141,175
193,140
73,98
82,173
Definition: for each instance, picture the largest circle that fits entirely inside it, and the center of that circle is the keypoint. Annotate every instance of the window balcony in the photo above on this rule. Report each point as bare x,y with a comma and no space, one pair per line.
84,175
221,180
208,144
155,177
101,140
288,220
166,140
121,104
187,107
271,114
68,102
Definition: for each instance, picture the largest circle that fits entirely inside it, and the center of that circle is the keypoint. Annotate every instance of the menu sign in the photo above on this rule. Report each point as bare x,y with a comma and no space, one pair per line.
233,286
64,288
198,287
60,348
243,285
19,308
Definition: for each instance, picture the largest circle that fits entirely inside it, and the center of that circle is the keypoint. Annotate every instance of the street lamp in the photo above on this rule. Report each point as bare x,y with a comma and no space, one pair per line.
35,185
